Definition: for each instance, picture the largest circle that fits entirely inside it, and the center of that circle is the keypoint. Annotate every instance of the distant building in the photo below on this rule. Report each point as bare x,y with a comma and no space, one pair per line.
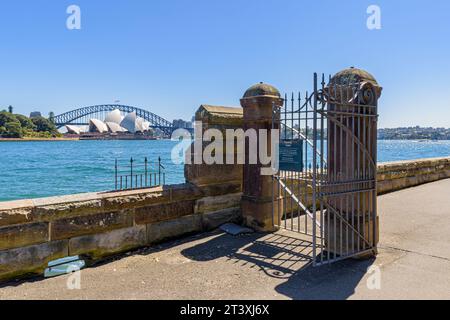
179,123
35,114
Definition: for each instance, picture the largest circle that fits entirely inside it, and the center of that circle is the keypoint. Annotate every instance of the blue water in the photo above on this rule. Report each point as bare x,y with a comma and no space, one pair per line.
41,169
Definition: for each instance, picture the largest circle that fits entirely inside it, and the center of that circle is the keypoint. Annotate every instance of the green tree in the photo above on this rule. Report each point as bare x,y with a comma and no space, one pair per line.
44,125
10,109
25,122
13,130
6,117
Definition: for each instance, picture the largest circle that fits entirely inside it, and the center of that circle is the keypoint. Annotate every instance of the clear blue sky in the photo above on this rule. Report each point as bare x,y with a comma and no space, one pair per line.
172,55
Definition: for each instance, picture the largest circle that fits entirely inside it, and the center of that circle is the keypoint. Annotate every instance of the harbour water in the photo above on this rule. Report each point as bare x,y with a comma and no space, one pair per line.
41,169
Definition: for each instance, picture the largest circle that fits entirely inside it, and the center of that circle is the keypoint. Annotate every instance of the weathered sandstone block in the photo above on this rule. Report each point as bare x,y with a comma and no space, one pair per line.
213,220
222,188
185,191
84,225
253,217
15,216
134,199
67,209
165,230
202,174
23,235
210,204
162,212
32,259
101,245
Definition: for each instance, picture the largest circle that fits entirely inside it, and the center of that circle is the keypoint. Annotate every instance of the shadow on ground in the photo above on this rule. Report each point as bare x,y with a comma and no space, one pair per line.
283,258
286,258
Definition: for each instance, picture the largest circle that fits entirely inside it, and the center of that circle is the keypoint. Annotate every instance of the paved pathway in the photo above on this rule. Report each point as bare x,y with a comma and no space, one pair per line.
414,261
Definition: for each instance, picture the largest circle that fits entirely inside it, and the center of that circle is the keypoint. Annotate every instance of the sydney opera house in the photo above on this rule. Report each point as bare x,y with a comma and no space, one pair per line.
114,123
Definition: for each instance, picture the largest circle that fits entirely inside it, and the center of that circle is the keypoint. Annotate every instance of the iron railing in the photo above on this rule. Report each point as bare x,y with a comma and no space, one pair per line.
139,176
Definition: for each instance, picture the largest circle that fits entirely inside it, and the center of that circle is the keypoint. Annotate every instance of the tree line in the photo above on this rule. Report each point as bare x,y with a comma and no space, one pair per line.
20,126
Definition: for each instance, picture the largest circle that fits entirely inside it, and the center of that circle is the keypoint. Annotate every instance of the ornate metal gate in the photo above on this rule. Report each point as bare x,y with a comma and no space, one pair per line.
326,186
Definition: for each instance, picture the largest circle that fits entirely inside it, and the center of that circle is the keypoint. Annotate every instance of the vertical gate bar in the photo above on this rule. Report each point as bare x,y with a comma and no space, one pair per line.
364,175
346,225
273,201
335,175
292,173
279,203
273,174
354,173
299,173
369,218
375,192
284,172
358,148
329,174
314,182
349,175
322,149
306,177
370,173
279,195
341,177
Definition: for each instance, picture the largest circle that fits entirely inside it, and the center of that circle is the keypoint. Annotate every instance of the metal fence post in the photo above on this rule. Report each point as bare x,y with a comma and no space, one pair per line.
131,174
146,171
159,171
115,174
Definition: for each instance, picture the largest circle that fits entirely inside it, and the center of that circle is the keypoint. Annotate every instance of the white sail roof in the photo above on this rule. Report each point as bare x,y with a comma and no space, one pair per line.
129,122
96,125
114,116
114,127
146,125
140,125
73,129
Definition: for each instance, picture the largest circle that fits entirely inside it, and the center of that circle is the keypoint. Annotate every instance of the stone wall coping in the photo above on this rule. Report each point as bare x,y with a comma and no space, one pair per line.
416,162
219,115
83,197
222,109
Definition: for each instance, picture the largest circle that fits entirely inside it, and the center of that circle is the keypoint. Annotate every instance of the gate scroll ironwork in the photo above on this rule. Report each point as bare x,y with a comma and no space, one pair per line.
330,196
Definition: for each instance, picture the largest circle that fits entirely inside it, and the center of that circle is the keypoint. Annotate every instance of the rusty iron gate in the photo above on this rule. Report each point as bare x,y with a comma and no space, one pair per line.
325,188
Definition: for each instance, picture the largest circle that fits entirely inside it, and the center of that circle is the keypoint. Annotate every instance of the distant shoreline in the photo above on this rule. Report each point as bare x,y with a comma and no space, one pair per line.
36,139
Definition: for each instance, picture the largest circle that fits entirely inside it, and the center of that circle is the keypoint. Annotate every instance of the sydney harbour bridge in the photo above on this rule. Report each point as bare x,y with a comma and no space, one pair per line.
81,116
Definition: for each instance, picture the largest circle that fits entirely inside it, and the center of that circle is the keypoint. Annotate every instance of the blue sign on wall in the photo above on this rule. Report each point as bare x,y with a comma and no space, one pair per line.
291,155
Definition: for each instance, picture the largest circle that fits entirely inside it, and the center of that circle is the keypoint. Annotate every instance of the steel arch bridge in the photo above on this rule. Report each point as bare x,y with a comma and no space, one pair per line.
81,116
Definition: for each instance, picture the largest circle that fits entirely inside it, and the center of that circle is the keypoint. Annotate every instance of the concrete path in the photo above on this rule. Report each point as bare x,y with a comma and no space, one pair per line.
414,263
